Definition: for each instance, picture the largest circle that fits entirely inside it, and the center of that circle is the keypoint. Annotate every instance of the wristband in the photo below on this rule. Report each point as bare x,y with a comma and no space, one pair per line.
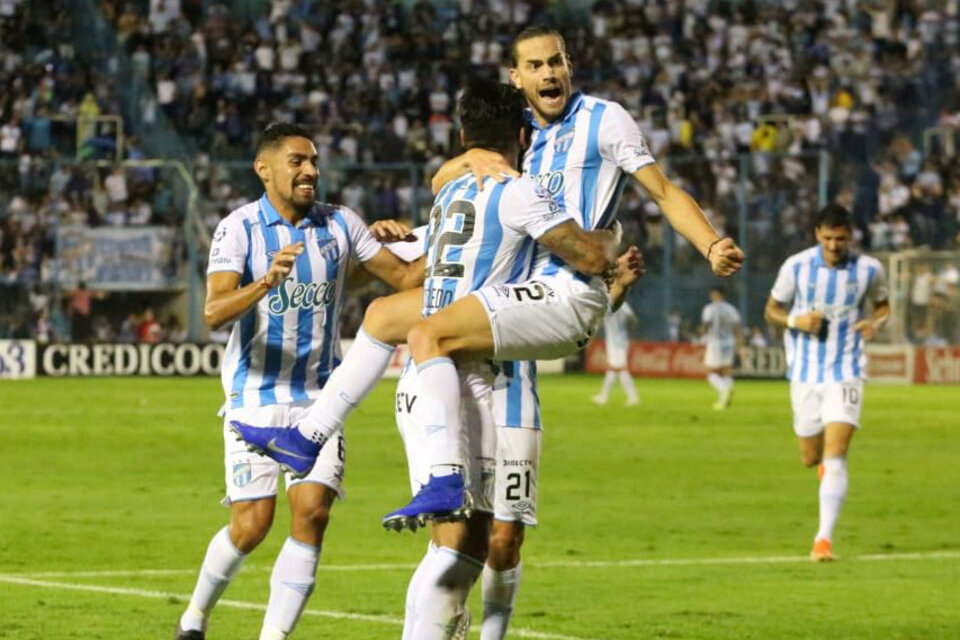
791,321
710,248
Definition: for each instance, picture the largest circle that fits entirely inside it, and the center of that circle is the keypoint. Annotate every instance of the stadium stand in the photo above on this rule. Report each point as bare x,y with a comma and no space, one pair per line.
761,109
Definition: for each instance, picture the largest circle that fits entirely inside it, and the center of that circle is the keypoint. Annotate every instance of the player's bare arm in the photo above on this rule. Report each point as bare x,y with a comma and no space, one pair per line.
226,302
630,268
776,314
589,252
482,162
397,273
869,327
685,215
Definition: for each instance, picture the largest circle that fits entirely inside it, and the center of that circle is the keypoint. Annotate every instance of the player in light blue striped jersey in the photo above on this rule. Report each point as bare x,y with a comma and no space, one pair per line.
819,298
277,270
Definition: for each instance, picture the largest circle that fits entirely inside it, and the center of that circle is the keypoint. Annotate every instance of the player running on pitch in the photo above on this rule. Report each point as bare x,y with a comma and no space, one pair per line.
819,297
722,337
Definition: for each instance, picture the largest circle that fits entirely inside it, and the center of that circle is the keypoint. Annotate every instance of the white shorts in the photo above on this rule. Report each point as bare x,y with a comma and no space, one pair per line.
518,464
718,356
544,318
616,355
251,476
479,437
818,404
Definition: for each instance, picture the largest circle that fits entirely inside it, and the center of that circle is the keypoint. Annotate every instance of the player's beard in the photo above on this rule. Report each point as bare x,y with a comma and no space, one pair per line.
302,199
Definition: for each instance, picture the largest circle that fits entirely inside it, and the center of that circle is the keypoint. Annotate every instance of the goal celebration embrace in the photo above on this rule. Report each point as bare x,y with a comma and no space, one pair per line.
487,319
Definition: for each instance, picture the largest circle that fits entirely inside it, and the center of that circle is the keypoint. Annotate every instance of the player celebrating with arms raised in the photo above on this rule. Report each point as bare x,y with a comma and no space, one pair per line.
825,288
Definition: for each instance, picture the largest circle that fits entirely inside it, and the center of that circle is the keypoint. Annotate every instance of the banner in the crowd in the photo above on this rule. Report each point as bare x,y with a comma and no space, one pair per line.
685,360
17,359
890,363
127,258
163,359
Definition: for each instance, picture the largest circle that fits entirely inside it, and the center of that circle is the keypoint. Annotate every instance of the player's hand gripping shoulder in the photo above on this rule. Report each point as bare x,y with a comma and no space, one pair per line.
725,257
282,264
481,162
387,231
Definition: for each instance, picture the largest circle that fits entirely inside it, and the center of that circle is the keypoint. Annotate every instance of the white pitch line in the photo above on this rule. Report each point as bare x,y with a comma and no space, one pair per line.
557,564
239,604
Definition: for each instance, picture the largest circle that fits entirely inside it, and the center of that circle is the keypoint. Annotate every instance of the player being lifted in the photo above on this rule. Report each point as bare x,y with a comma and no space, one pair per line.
277,269
825,289
722,336
582,149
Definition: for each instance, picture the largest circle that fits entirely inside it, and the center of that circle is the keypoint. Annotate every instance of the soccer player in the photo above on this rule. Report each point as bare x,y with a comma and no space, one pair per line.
722,333
511,498
819,296
616,342
277,268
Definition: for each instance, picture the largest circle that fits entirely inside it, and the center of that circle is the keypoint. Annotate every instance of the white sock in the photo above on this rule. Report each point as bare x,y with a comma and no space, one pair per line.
499,593
219,566
833,491
291,583
626,381
441,601
413,590
608,379
440,407
347,386
727,383
716,381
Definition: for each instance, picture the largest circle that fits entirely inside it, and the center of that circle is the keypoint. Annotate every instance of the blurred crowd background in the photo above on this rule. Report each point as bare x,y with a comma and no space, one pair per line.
764,111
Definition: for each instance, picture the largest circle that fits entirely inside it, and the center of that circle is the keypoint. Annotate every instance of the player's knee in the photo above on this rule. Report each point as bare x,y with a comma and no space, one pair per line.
424,342
505,543
377,322
312,522
248,529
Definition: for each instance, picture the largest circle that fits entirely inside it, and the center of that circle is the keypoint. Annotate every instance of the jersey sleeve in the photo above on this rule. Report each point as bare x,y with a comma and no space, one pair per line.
705,315
621,141
363,245
529,208
784,287
878,290
228,247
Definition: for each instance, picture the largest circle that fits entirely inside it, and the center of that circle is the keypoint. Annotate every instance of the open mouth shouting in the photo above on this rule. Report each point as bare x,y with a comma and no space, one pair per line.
551,97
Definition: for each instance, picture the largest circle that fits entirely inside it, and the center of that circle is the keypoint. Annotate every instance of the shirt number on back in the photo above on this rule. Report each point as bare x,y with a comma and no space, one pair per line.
450,238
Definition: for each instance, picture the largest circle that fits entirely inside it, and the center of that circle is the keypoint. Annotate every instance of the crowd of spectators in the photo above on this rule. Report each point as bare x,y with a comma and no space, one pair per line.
738,100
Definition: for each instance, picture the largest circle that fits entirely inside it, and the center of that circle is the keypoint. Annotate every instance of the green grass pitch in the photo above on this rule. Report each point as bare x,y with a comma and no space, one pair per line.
666,520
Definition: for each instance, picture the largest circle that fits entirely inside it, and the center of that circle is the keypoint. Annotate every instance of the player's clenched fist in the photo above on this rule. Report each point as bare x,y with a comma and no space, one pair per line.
807,322
725,257
282,263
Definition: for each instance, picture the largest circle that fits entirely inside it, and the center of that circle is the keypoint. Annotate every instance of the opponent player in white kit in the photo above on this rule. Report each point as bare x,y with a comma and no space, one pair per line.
277,268
616,341
722,336
825,289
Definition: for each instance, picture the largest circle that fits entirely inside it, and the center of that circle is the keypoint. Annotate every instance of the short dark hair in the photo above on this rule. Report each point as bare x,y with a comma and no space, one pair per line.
833,215
534,31
276,132
491,114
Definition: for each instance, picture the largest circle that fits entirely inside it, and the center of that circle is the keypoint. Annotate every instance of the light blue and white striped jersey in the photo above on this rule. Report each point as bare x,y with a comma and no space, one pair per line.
284,349
584,159
476,238
721,320
806,283
516,401
615,333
